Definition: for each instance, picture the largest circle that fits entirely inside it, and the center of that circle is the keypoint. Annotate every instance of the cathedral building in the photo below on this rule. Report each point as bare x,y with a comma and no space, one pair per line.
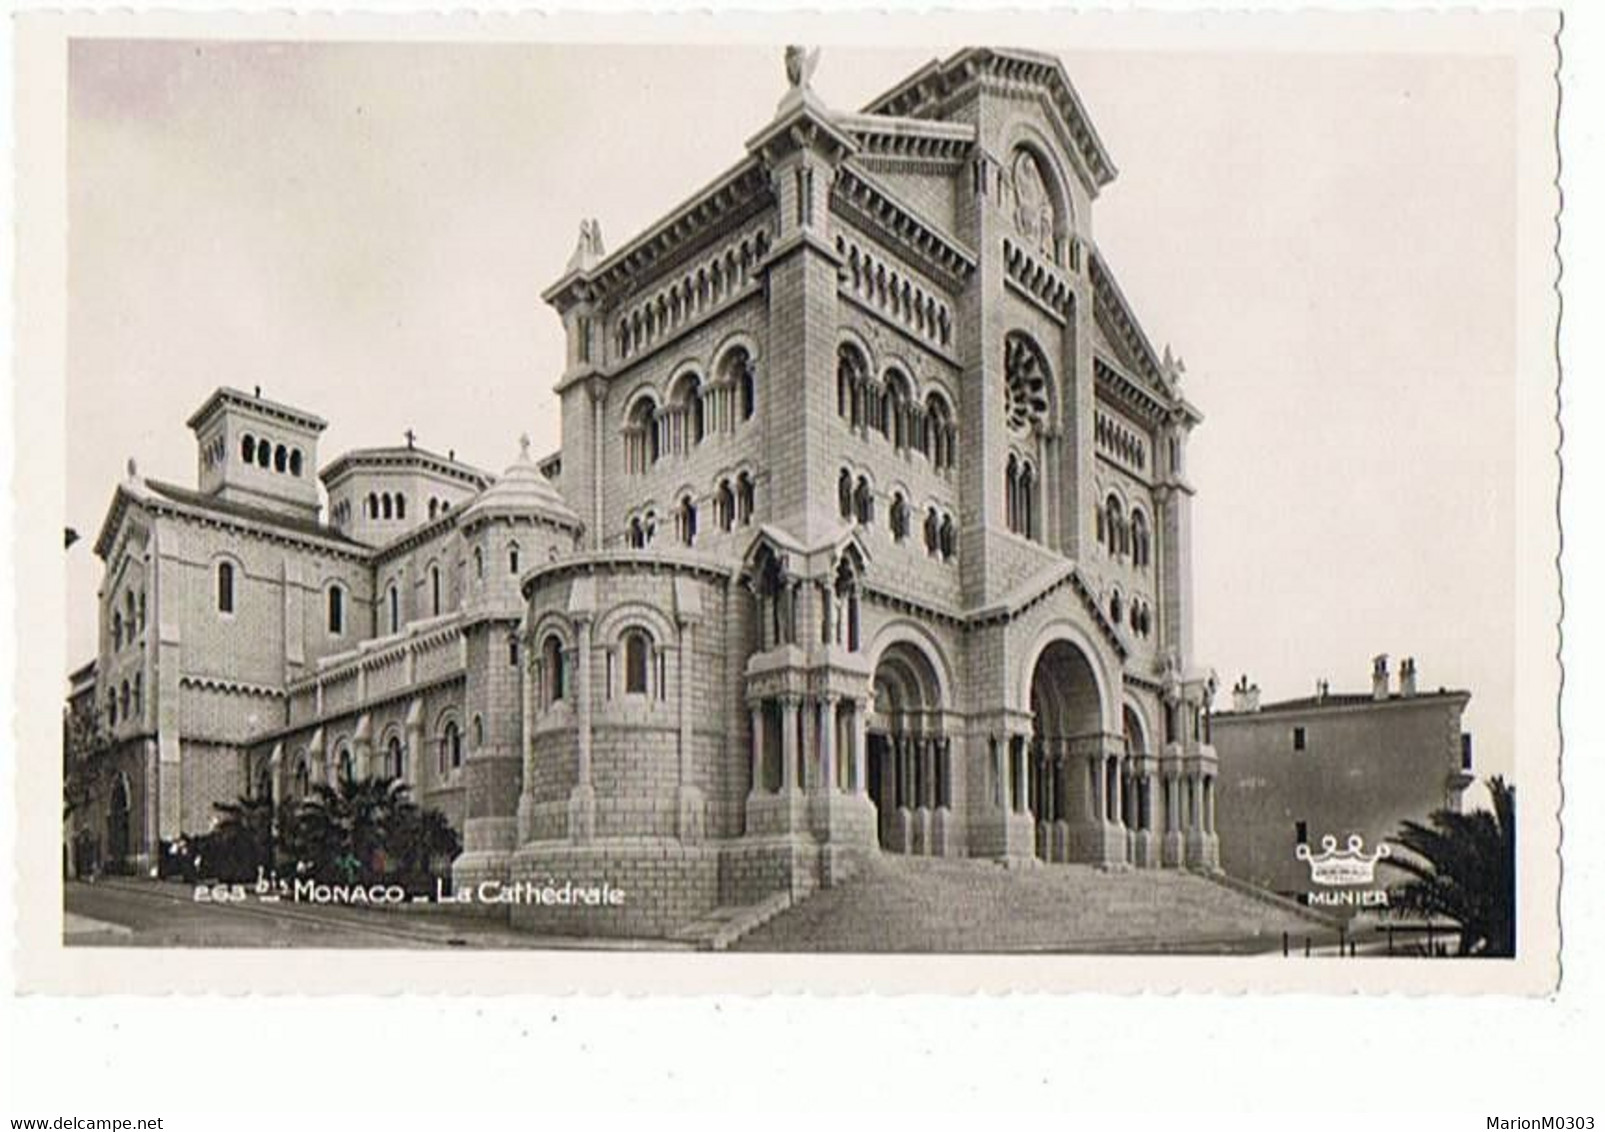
869,533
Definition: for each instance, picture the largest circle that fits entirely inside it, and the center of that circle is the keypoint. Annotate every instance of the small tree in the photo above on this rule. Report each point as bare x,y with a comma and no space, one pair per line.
86,758
1462,867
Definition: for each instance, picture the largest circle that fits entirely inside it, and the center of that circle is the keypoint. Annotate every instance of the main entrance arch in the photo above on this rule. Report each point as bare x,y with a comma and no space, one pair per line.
1063,779
910,763
118,809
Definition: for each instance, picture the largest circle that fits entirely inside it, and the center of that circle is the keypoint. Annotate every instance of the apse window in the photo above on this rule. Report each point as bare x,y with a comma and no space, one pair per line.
1298,739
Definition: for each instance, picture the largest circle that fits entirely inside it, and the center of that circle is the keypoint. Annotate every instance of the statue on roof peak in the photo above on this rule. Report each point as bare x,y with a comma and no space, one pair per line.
588,249
800,65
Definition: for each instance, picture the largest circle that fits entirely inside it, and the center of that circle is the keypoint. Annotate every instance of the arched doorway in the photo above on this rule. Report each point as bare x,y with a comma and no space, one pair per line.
1060,777
909,758
1139,789
117,825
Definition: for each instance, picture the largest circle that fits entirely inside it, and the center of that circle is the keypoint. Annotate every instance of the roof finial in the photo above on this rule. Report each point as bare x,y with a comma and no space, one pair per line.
588,249
800,65
411,436
523,447
133,470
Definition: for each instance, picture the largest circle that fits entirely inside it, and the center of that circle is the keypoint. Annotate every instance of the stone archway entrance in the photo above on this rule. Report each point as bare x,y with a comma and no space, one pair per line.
1068,775
910,763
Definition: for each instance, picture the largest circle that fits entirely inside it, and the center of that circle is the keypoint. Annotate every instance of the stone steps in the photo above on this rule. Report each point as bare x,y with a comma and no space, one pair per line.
921,904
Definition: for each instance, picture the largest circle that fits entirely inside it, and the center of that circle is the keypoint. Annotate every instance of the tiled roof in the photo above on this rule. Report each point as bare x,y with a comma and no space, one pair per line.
255,514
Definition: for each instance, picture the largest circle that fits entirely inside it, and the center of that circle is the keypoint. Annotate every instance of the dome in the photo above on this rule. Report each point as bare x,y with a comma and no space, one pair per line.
520,492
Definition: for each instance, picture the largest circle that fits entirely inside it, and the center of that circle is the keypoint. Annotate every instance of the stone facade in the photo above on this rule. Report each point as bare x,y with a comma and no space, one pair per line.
870,532
887,523
1336,765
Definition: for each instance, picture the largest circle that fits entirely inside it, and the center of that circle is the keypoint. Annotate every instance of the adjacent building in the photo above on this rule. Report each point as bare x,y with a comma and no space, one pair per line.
870,532
1336,765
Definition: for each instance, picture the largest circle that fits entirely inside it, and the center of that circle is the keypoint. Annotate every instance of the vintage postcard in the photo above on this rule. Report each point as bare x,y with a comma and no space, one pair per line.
714,503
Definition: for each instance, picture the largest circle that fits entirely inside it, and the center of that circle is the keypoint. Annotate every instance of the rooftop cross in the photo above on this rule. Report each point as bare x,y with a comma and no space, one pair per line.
411,436
523,446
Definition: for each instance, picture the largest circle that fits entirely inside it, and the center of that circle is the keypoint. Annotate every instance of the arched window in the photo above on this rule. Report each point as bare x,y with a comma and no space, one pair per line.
852,381
302,778
434,590
139,693
724,506
451,747
1114,520
688,403
401,506
1028,501
686,521
343,760
479,562
637,661
948,538
943,438
1011,493
248,448
111,708
897,405
844,494
1139,537
393,607
225,587
1115,608
933,529
512,559
281,459
863,502
512,650
552,668
641,436
637,534
387,506
898,517
395,758
128,613
125,699
434,508
295,462
337,610
745,498
747,388
117,629
479,731
373,505
264,453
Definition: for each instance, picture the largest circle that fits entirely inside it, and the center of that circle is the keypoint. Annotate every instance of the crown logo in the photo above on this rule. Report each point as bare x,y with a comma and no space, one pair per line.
1351,866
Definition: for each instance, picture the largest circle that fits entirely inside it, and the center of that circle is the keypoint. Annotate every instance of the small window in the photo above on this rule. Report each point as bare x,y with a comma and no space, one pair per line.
512,559
401,506
637,653
281,459
264,453
225,587
512,651
1301,832
434,589
451,747
295,462
479,731
393,605
337,610
348,768
395,759
479,562
552,668
248,448
1298,738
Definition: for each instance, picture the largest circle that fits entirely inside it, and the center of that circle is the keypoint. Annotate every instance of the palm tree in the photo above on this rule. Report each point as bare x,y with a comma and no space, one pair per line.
245,838
344,831
1462,867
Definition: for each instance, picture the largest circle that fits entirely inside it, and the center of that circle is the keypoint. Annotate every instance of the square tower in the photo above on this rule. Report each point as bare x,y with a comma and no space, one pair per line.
259,452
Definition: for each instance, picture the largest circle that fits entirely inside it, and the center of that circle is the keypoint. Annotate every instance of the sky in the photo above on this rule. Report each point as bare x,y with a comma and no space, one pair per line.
364,230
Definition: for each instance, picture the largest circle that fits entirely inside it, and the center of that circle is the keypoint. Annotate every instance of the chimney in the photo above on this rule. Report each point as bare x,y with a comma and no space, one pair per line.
1407,677
1245,696
1379,677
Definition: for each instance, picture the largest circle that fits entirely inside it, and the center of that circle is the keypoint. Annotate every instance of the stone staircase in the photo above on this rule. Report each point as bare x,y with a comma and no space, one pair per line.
897,903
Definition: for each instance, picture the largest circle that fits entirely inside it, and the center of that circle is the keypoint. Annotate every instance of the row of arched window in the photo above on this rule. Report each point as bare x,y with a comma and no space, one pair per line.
855,501
635,666
694,411
733,501
1122,535
126,701
385,505
1020,496
888,406
266,454
128,620
1138,613
393,756
438,507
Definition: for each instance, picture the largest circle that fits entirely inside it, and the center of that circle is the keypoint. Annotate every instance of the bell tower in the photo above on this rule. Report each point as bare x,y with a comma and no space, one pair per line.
259,452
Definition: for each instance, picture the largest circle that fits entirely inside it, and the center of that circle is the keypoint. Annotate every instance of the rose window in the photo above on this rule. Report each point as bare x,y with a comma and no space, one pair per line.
1025,376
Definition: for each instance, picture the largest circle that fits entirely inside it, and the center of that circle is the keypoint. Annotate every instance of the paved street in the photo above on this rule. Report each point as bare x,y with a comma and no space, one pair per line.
142,913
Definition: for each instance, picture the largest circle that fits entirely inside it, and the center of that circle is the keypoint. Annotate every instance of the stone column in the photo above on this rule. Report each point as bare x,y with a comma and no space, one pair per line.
788,743
688,799
827,743
756,713
860,782
582,800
